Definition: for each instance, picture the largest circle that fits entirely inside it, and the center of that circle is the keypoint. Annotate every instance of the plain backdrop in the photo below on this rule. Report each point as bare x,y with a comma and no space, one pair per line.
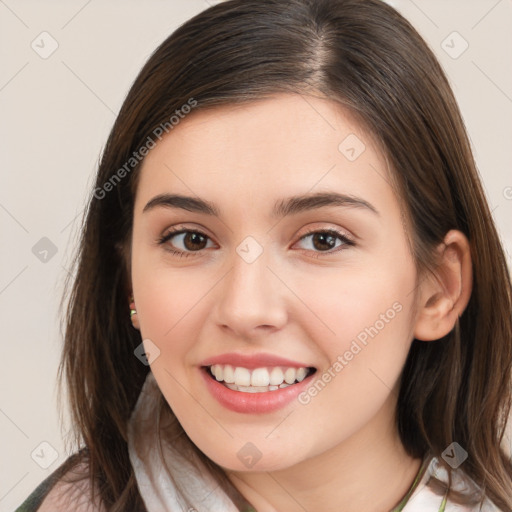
65,70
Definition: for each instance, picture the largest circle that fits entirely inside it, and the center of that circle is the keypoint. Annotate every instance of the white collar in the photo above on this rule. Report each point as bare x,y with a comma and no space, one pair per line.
155,485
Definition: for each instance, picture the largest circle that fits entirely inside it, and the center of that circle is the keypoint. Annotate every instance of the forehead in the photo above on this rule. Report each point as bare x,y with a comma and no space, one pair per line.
255,151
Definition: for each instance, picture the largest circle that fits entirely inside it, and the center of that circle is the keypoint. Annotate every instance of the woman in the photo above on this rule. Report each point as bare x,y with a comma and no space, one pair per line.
290,294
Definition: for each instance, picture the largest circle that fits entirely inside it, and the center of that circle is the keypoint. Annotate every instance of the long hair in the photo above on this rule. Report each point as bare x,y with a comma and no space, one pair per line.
368,58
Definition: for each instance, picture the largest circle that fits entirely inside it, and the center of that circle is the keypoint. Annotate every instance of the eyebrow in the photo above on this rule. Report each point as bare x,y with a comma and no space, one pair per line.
285,207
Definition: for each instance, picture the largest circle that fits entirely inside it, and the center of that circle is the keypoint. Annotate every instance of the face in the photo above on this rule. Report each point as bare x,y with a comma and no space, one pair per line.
264,290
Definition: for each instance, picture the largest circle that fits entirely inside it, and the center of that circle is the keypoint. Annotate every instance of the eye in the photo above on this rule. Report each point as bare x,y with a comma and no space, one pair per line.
326,241
187,240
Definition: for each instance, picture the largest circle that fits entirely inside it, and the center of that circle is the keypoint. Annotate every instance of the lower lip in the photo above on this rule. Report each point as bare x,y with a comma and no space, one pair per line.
253,403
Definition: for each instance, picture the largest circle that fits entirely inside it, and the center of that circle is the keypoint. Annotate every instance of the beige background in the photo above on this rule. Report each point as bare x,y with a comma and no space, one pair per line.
56,113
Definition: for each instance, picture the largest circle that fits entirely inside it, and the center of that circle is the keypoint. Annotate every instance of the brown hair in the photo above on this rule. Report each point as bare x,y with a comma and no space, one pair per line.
367,57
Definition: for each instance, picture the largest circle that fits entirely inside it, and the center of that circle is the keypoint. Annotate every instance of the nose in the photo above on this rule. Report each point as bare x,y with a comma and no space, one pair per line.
251,299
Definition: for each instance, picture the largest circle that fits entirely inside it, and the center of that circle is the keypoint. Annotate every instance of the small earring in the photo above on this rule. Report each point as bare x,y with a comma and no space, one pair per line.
133,311
133,314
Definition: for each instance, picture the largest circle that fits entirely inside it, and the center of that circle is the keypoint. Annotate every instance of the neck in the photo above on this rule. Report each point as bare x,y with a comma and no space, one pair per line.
367,472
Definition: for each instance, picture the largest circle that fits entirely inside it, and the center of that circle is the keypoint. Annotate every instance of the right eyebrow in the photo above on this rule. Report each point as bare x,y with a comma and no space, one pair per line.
190,204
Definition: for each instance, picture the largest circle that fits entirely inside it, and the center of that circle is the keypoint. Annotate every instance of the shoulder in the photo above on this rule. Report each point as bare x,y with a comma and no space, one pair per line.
67,488
72,492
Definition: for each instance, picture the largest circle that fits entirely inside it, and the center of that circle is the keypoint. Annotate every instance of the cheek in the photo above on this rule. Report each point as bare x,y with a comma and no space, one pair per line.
356,302
371,314
171,307
364,329
167,300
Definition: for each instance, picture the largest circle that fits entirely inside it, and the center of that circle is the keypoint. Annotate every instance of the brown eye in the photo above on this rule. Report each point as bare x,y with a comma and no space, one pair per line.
194,241
325,241
185,241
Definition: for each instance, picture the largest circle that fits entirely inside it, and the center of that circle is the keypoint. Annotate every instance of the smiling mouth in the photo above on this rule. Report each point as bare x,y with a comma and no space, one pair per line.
257,380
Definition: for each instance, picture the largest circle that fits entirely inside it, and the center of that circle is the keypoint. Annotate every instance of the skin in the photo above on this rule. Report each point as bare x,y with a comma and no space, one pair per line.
339,447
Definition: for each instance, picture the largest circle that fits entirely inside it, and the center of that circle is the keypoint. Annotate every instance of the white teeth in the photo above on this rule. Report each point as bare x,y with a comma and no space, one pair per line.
255,389
259,379
242,376
229,374
218,371
289,375
301,374
276,376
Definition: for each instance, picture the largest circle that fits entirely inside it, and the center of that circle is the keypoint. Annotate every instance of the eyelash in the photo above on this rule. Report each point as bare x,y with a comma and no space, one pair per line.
347,242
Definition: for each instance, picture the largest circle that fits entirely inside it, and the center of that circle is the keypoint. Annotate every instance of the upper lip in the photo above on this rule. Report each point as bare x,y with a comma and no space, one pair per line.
252,361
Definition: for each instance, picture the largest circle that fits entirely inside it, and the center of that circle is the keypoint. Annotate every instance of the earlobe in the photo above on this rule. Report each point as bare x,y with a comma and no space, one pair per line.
443,297
133,314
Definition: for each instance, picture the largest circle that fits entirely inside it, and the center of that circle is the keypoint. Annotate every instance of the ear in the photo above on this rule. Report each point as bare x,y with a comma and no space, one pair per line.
443,297
133,313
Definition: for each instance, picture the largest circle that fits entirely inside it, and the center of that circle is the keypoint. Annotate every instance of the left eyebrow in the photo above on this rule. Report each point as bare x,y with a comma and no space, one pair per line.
302,203
285,207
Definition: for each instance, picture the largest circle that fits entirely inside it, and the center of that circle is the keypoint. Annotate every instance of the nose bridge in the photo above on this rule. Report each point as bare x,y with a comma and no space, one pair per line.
250,296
